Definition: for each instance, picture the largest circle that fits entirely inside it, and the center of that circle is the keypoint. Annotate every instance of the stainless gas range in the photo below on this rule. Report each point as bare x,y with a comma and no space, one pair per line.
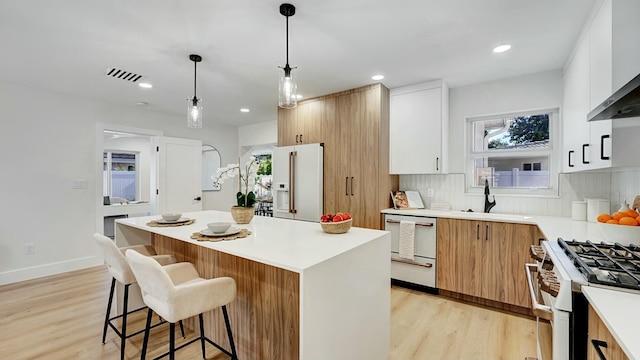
561,269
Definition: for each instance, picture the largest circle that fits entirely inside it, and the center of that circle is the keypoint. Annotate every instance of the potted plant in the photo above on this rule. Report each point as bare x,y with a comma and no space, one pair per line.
243,212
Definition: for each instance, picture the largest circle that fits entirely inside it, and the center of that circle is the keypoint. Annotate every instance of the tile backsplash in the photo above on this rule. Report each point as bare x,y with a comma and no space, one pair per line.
615,185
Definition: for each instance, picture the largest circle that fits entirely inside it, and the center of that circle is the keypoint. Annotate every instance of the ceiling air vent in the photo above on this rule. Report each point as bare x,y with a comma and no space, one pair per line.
123,74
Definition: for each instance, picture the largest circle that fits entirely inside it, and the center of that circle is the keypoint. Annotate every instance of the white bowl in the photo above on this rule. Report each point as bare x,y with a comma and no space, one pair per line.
623,234
219,227
171,217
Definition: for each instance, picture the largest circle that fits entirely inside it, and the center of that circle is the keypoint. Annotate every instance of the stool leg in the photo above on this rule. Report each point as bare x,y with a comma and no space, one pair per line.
172,341
147,329
106,318
123,338
204,356
226,322
182,329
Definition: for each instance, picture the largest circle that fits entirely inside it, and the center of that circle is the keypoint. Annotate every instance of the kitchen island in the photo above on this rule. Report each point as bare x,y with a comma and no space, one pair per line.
302,293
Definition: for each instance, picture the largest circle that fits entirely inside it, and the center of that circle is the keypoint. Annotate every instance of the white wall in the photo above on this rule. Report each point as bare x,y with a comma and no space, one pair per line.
536,91
543,90
51,138
265,133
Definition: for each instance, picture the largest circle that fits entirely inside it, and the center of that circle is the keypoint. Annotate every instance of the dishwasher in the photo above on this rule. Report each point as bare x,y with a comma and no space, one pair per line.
422,269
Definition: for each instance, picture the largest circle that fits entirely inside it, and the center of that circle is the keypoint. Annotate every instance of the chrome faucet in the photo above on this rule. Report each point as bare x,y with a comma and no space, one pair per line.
488,205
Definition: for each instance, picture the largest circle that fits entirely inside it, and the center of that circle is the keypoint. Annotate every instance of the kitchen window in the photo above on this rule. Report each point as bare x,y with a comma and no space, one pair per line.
514,151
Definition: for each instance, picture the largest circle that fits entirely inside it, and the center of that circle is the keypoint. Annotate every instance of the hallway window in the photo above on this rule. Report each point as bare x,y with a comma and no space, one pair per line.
120,178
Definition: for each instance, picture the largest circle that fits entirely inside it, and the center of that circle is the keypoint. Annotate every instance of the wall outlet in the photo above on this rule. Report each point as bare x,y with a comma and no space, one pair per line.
429,192
29,249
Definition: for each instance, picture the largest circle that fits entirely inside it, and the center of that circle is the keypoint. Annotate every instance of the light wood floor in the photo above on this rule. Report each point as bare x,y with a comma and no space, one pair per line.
60,317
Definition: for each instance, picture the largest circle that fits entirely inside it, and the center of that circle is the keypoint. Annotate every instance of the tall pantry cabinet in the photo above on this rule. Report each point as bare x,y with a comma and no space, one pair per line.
354,127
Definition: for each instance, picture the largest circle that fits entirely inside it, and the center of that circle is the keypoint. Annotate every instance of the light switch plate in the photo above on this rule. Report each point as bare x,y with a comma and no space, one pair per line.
79,184
429,192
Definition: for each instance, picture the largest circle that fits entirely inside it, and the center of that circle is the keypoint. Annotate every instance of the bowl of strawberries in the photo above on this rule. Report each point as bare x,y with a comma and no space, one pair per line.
338,223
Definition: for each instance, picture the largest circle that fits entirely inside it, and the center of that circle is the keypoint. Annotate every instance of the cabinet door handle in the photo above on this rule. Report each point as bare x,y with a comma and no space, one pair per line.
297,138
584,146
346,186
478,232
570,152
352,186
602,157
437,164
597,344
300,138
486,234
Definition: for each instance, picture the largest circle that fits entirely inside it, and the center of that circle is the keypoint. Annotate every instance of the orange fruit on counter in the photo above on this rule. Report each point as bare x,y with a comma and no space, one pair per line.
632,213
612,221
638,219
619,215
603,218
628,221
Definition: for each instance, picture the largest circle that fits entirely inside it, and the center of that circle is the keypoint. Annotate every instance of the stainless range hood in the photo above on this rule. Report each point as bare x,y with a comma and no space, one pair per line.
624,103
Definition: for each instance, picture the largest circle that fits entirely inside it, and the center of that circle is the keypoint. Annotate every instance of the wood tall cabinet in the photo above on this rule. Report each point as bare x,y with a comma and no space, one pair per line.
354,127
302,124
485,259
598,331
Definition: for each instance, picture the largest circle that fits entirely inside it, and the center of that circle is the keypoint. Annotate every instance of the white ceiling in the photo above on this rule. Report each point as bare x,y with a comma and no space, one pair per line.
67,45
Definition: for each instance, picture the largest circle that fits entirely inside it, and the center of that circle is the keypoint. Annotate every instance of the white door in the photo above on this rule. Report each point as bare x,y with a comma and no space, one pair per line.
179,186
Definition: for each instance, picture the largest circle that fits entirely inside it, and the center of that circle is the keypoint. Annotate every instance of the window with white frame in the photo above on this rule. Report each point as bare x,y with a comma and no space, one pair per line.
513,151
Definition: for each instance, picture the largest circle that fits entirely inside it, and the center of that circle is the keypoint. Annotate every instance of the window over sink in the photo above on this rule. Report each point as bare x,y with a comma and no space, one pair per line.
514,151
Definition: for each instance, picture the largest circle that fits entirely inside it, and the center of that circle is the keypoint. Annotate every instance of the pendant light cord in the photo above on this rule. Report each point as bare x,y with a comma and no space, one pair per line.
195,78
287,41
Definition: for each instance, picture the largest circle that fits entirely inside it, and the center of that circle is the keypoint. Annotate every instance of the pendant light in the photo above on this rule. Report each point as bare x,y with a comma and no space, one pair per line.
194,105
287,87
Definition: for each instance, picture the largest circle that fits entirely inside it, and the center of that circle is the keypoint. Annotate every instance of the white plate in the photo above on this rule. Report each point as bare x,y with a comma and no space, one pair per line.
231,231
181,220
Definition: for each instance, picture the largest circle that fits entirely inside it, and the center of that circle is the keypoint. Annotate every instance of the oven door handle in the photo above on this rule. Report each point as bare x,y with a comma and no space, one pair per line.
539,310
407,261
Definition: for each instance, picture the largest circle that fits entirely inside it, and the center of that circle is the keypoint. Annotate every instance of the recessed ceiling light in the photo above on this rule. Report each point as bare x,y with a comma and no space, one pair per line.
298,96
501,48
244,110
377,77
145,85
142,103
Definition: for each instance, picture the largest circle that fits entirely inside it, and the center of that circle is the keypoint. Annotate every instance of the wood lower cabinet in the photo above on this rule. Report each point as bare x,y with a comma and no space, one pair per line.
485,259
599,333
354,127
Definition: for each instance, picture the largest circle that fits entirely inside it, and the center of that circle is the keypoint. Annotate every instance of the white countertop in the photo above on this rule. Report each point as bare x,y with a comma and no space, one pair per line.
288,244
552,227
618,311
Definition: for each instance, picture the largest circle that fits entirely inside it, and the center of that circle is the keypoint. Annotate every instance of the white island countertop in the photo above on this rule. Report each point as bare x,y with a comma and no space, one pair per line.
287,244
618,311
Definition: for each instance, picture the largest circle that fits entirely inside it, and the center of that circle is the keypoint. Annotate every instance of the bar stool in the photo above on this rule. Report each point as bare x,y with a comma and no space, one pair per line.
176,292
120,271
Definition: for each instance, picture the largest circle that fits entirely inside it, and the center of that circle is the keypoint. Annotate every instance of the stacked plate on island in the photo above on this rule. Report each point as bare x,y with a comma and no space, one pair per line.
174,218
219,229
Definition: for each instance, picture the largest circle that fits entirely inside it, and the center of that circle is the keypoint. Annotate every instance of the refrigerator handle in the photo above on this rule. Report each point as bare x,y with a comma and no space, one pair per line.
346,186
292,182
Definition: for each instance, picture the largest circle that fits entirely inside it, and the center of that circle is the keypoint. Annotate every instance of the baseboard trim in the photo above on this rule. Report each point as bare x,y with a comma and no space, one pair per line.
13,276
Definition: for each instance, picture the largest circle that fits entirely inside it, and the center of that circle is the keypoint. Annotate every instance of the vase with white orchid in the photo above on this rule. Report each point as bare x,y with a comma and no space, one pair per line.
246,180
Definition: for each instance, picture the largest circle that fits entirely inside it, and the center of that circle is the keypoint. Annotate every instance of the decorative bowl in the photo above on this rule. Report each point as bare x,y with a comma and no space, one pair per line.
219,227
171,217
339,227
623,234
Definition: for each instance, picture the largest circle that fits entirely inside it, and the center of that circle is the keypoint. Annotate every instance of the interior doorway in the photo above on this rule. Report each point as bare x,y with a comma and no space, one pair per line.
125,174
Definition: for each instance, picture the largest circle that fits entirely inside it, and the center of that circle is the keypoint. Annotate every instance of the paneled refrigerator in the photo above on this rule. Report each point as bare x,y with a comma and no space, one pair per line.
298,185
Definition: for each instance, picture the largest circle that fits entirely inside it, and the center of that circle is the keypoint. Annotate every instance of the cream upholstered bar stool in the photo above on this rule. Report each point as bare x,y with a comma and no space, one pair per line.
176,292
120,271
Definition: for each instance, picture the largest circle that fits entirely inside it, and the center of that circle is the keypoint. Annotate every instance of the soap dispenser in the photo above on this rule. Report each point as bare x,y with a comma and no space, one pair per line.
624,206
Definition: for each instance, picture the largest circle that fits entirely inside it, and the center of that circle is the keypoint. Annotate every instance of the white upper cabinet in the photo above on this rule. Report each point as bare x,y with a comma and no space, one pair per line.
605,60
419,129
